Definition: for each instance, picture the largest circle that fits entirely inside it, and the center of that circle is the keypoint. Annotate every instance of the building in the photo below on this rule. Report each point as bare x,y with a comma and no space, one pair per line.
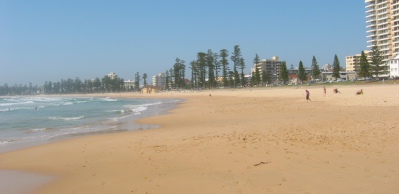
394,67
129,85
150,89
271,66
112,75
159,80
344,76
353,62
293,74
382,18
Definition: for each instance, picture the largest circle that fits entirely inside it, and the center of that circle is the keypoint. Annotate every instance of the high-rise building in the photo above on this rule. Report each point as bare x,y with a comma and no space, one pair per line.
159,80
271,66
382,18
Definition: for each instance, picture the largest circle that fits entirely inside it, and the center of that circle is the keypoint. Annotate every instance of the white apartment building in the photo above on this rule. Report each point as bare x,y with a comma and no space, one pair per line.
394,67
382,18
112,75
383,29
129,84
159,80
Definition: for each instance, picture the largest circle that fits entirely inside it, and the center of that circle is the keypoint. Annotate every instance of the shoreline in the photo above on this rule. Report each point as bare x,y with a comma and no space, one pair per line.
123,123
280,143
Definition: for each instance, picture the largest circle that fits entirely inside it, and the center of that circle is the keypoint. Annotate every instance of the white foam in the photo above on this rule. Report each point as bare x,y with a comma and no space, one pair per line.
66,118
108,99
38,129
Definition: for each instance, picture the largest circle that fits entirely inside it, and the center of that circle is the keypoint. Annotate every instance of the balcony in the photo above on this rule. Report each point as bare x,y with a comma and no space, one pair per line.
384,33
371,25
382,39
384,21
371,31
371,4
371,16
372,36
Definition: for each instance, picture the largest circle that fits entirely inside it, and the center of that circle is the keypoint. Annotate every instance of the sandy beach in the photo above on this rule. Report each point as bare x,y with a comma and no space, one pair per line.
258,140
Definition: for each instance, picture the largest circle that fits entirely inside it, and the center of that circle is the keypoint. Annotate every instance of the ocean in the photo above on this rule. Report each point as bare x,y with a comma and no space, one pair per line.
34,120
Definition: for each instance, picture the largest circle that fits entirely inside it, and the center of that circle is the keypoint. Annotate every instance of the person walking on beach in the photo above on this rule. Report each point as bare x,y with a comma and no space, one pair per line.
325,91
307,96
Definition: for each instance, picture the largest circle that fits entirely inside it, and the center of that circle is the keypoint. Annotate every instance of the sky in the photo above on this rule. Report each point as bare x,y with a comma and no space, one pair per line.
50,40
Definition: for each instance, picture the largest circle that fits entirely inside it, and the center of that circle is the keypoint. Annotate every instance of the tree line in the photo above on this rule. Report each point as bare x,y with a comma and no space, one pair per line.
209,70
74,86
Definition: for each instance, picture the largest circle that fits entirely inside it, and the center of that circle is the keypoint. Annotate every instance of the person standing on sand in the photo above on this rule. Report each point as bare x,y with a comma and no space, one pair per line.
307,96
325,91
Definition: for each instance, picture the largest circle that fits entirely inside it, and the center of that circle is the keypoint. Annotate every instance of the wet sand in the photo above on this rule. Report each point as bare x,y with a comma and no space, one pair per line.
267,140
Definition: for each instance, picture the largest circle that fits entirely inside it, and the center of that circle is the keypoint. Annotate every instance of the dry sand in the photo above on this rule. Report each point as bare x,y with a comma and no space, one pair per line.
267,140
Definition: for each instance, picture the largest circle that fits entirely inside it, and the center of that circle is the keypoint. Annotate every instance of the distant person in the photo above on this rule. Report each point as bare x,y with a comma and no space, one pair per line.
335,91
359,92
325,91
307,96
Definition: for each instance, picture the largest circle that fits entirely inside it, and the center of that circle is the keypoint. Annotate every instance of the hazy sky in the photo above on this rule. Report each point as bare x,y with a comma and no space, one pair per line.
50,40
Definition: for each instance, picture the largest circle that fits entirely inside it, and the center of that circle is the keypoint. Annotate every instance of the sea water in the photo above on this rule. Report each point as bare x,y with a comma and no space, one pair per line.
30,120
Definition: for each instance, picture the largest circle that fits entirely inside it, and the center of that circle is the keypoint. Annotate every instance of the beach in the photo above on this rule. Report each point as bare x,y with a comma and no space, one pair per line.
250,140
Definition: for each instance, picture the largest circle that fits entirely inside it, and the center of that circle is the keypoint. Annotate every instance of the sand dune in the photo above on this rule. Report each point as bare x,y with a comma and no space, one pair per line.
266,140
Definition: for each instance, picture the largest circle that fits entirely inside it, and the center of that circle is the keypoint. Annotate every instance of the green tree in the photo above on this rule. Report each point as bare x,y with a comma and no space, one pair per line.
237,63
216,64
257,77
364,66
145,79
225,66
137,81
211,67
252,80
376,61
78,85
336,68
242,67
106,84
231,79
284,73
256,80
315,69
167,80
194,74
201,61
178,72
301,72
265,77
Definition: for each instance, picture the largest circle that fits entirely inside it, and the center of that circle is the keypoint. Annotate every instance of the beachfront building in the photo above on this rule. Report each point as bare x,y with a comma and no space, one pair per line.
344,76
150,89
353,62
159,80
382,18
271,66
129,85
394,67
